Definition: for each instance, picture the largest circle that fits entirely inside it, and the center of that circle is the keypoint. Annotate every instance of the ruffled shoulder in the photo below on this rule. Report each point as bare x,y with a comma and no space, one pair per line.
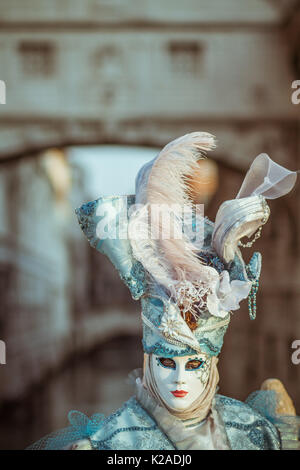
246,428
80,429
272,405
129,428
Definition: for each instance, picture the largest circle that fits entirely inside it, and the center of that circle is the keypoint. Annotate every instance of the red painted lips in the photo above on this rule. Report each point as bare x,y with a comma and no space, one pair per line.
179,393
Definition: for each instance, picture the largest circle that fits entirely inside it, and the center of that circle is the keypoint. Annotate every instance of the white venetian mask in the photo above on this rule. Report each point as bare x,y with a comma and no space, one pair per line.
181,380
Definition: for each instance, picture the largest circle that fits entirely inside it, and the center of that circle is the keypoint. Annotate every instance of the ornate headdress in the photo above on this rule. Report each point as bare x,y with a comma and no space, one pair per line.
188,284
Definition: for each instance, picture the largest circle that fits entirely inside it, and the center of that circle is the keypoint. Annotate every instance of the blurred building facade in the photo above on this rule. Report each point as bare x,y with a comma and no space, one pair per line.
35,306
141,73
52,286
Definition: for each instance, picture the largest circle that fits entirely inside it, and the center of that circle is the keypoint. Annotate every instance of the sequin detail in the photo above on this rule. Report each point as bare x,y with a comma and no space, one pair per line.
211,259
160,350
136,281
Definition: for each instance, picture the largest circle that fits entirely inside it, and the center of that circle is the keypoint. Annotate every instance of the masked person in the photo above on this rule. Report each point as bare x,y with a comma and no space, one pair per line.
190,276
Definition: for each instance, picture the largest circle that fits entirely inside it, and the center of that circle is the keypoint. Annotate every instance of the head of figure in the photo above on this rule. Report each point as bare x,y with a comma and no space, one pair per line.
180,380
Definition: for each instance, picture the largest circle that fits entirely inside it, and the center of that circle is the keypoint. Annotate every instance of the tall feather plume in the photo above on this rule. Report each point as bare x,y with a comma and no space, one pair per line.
146,249
167,184
171,261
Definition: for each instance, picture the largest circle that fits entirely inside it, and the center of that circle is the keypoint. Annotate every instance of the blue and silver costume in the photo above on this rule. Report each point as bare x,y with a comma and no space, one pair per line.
141,423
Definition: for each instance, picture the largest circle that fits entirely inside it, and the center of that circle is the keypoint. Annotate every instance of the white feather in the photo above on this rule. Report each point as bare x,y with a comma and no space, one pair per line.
170,261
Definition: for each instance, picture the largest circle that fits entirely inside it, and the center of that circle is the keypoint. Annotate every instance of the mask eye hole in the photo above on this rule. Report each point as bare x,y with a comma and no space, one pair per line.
167,362
194,364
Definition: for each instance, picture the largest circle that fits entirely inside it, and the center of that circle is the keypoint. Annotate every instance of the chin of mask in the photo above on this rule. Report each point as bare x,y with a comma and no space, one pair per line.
181,380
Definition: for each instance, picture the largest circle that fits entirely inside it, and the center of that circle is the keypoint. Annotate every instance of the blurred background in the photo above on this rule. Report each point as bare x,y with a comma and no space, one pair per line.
94,88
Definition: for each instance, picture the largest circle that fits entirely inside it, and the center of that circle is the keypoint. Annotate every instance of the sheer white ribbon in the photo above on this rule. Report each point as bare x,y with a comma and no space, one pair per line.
267,178
241,217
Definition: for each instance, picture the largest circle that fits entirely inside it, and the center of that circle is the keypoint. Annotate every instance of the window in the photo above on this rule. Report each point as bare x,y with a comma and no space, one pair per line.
186,57
37,58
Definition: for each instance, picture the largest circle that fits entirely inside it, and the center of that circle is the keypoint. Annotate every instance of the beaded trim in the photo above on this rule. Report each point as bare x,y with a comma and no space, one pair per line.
125,429
159,350
252,299
264,220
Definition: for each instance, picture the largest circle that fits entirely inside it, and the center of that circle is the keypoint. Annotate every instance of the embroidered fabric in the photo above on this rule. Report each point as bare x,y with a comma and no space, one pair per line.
130,428
265,402
246,428
110,212
141,424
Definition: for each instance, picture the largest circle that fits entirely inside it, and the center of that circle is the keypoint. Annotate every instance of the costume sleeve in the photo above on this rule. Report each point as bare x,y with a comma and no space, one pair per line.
105,223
